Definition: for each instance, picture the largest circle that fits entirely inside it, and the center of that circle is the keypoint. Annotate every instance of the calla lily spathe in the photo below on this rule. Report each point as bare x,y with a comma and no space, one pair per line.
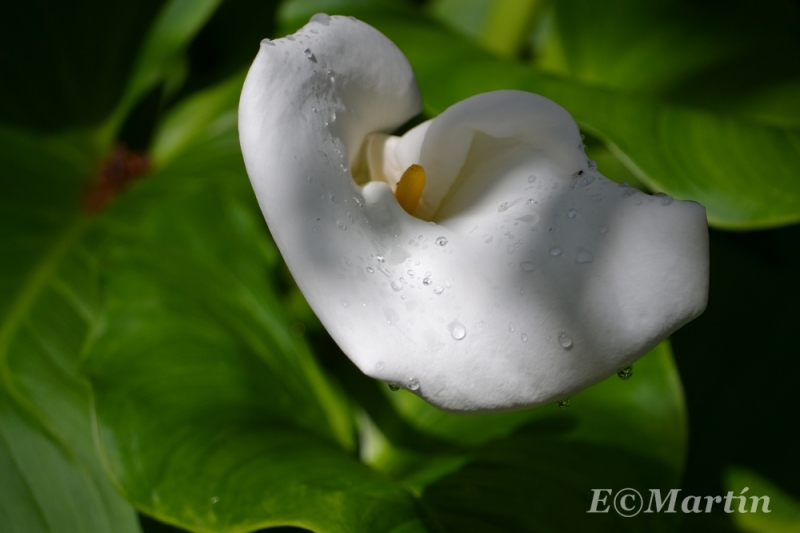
524,276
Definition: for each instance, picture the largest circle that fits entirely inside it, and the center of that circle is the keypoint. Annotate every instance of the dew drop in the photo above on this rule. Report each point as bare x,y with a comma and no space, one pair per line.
441,241
604,229
345,303
511,327
393,387
565,340
583,257
410,273
308,54
438,289
379,365
321,18
531,178
527,266
214,499
572,213
524,337
426,281
413,384
397,286
625,372
342,225
503,207
592,164
665,198
563,404
380,258
555,251
457,330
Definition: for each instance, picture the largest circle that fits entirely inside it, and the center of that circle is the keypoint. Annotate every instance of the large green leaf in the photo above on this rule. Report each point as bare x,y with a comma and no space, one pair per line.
742,172
212,415
53,478
734,57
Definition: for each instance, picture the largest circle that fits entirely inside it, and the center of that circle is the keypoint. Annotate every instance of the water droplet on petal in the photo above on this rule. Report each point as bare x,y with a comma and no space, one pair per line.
426,281
524,337
527,266
438,289
531,178
379,365
583,257
308,54
370,270
342,225
503,207
457,330
604,228
665,198
511,327
393,387
441,241
555,251
563,404
565,340
267,42
592,164
626,372
214,499
321,18
379,258
572,213
397,286
413,384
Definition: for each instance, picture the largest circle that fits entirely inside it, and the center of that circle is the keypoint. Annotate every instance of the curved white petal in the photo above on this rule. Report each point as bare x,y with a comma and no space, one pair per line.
534,277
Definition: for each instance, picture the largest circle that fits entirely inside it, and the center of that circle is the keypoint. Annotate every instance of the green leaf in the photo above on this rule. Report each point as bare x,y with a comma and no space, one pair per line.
741,172
161,54
211,414
213,109
784,511
53,478
722,56
501,26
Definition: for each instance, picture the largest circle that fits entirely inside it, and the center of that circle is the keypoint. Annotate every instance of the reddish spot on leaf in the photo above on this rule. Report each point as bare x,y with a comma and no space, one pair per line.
122,167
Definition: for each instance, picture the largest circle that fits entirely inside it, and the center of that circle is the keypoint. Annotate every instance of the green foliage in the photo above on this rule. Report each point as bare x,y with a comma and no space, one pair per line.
150,357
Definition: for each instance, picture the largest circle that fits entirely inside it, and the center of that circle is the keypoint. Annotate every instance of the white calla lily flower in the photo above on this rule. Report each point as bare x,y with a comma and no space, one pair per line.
523,275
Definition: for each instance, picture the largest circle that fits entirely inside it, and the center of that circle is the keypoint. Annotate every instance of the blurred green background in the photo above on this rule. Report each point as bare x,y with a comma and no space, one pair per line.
160,371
